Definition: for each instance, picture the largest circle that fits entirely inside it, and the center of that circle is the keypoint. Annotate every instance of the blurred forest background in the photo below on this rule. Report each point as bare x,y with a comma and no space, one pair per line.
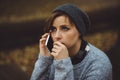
21,26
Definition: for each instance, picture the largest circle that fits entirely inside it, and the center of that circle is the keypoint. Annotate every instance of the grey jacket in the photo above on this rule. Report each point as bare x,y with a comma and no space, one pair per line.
95,66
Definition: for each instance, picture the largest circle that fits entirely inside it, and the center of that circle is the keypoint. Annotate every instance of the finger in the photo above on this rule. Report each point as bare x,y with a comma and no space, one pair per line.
54,50
56,46
59,44
45,35
42,39
42,42
54,54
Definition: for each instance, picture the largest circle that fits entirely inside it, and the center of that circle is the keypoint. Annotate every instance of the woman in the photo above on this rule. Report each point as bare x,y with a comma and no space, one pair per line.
70,57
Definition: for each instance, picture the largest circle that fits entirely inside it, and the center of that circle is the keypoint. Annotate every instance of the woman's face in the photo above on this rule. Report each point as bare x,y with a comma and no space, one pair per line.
65,32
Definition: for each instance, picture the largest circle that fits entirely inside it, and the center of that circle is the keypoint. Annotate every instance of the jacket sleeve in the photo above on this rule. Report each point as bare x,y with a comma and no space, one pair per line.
41,68
63,69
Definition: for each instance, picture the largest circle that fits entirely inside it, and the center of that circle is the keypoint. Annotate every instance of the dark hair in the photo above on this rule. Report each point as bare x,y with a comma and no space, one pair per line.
54,15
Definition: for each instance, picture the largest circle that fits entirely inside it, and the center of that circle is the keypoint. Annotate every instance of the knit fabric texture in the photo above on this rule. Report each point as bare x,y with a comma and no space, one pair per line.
95,66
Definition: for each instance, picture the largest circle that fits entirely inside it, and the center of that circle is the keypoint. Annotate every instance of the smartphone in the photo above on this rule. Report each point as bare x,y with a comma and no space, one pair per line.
49,42
46,43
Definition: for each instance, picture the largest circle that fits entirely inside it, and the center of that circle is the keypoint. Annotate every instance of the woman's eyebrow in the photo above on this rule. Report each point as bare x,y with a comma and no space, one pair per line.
69,26
65,25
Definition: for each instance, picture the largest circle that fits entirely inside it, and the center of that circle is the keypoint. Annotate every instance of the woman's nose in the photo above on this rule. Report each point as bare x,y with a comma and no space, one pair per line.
58,35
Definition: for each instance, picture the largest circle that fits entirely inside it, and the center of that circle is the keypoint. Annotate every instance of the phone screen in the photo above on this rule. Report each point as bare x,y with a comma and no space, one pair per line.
49,42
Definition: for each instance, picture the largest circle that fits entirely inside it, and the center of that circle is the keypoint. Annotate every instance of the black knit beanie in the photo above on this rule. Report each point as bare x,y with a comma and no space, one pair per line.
79,18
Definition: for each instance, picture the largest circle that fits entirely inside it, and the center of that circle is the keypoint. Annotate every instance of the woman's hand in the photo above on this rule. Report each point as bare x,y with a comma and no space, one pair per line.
59,51
43,48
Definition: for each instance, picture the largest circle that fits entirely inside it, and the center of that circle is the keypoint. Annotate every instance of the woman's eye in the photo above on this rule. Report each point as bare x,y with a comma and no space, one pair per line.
53,29
65,28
